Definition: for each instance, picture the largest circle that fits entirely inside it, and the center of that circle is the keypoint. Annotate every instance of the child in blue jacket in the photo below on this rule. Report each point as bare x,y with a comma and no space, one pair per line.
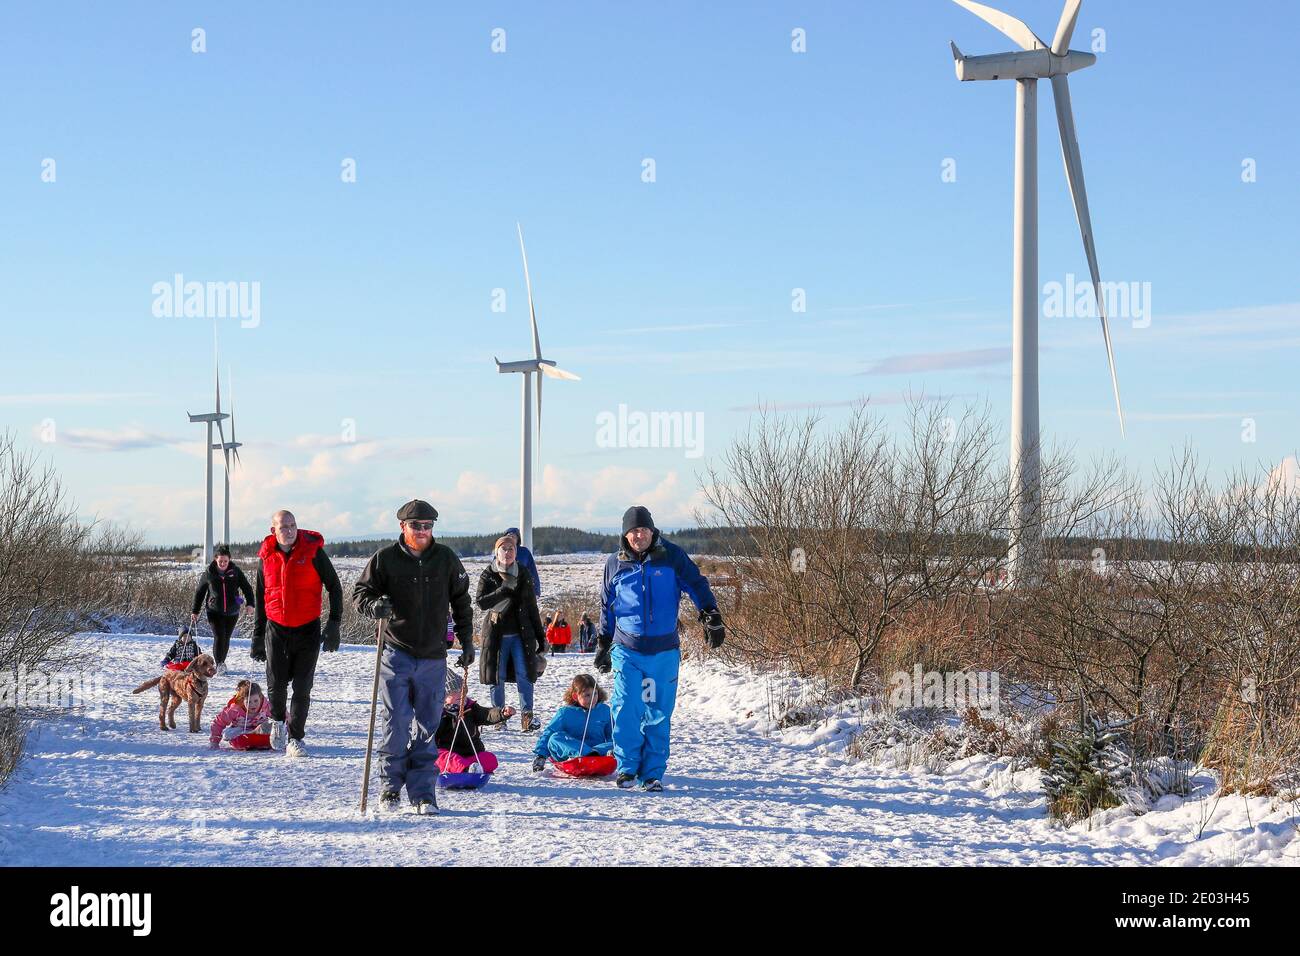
582,727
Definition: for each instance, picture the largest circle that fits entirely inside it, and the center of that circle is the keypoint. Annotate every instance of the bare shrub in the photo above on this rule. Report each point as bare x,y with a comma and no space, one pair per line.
849,532
57,574
13,733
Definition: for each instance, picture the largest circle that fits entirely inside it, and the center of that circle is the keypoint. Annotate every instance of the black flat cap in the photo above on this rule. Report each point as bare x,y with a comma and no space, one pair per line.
417,509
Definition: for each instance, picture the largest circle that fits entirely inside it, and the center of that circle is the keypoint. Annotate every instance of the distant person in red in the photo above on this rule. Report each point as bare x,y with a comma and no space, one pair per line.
558,634
287,635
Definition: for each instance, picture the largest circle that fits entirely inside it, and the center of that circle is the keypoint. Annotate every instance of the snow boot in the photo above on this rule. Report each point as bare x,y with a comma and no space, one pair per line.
625,781
295,748
390,799
528,723
652,786
427,807
277,735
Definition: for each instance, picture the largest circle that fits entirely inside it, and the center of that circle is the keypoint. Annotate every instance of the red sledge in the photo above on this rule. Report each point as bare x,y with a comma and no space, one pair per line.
177,666
592,766
251,742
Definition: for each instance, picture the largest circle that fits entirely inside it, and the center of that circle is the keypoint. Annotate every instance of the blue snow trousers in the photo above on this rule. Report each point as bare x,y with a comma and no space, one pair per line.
645,692
412,691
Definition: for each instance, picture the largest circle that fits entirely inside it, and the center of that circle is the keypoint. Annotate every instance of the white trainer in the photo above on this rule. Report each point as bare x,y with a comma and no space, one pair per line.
296,748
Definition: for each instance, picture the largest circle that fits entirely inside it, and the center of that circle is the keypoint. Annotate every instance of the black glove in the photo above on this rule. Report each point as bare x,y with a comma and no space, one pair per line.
602,661
330,636
382,609
258,651
714,632
467,654
538,764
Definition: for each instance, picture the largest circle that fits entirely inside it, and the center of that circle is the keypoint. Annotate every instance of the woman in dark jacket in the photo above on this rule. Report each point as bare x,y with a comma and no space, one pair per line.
512,639
222,584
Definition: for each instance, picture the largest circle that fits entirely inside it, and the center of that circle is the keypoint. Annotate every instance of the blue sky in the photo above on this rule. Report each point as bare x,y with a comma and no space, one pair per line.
774,170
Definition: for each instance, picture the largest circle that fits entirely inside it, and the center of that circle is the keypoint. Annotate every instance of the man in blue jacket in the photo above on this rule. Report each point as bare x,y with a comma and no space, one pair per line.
642,590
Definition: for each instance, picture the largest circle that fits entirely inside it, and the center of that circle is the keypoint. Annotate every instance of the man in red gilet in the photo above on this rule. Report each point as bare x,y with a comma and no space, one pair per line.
288,634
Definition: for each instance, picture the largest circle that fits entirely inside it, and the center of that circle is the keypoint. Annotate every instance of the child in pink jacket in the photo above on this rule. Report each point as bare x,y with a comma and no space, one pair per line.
248,712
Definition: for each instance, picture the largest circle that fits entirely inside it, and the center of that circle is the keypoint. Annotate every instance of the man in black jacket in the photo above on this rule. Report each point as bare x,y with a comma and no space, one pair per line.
408,586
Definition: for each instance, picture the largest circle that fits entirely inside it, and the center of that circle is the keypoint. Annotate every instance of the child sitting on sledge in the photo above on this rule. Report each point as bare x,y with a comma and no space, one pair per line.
245,721
182,652
583,727
459,742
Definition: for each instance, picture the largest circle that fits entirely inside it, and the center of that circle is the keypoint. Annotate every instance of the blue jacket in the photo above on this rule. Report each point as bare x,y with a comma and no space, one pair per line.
641,594
569,720
525,559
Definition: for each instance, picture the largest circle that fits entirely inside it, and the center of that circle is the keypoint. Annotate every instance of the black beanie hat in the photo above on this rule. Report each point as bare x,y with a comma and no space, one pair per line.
637,516
221,550
417,509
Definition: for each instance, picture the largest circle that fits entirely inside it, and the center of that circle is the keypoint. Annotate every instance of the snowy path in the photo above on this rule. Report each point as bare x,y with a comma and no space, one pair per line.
114,790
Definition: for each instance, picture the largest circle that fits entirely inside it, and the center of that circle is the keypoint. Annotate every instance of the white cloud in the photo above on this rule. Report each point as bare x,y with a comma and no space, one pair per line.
1286,475
129,438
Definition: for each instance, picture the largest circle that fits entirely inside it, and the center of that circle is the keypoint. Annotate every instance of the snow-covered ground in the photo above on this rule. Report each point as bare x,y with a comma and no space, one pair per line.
107,787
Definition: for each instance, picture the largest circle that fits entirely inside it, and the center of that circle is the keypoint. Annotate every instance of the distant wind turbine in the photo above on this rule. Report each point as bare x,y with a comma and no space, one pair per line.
229,450
210,418
527,368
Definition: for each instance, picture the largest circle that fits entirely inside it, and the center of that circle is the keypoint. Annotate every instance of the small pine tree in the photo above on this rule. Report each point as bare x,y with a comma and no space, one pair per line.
1087,770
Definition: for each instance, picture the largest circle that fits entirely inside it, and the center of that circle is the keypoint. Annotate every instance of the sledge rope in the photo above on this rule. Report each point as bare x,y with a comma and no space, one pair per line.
460,720
595,697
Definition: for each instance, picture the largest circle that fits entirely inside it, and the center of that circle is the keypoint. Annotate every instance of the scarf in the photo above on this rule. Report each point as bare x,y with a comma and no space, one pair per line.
510,572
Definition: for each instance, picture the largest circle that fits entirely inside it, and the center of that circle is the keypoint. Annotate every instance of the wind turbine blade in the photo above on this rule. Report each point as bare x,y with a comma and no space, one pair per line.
230,387
532,312
555,372
1005,23
216,366
1074,175
225,452
216,378
1065,29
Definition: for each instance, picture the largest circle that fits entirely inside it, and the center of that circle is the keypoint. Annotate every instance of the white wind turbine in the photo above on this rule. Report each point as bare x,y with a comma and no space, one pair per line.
528,368
1035,61
228,449
210,418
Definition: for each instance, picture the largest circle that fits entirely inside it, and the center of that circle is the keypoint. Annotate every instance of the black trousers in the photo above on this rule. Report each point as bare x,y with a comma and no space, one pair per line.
291,654
223,625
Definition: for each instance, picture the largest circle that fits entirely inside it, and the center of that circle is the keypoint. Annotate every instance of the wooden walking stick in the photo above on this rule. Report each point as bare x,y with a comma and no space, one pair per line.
374,701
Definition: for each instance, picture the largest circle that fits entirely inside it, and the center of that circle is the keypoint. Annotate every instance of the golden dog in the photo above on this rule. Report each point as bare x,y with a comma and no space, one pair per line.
189,685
